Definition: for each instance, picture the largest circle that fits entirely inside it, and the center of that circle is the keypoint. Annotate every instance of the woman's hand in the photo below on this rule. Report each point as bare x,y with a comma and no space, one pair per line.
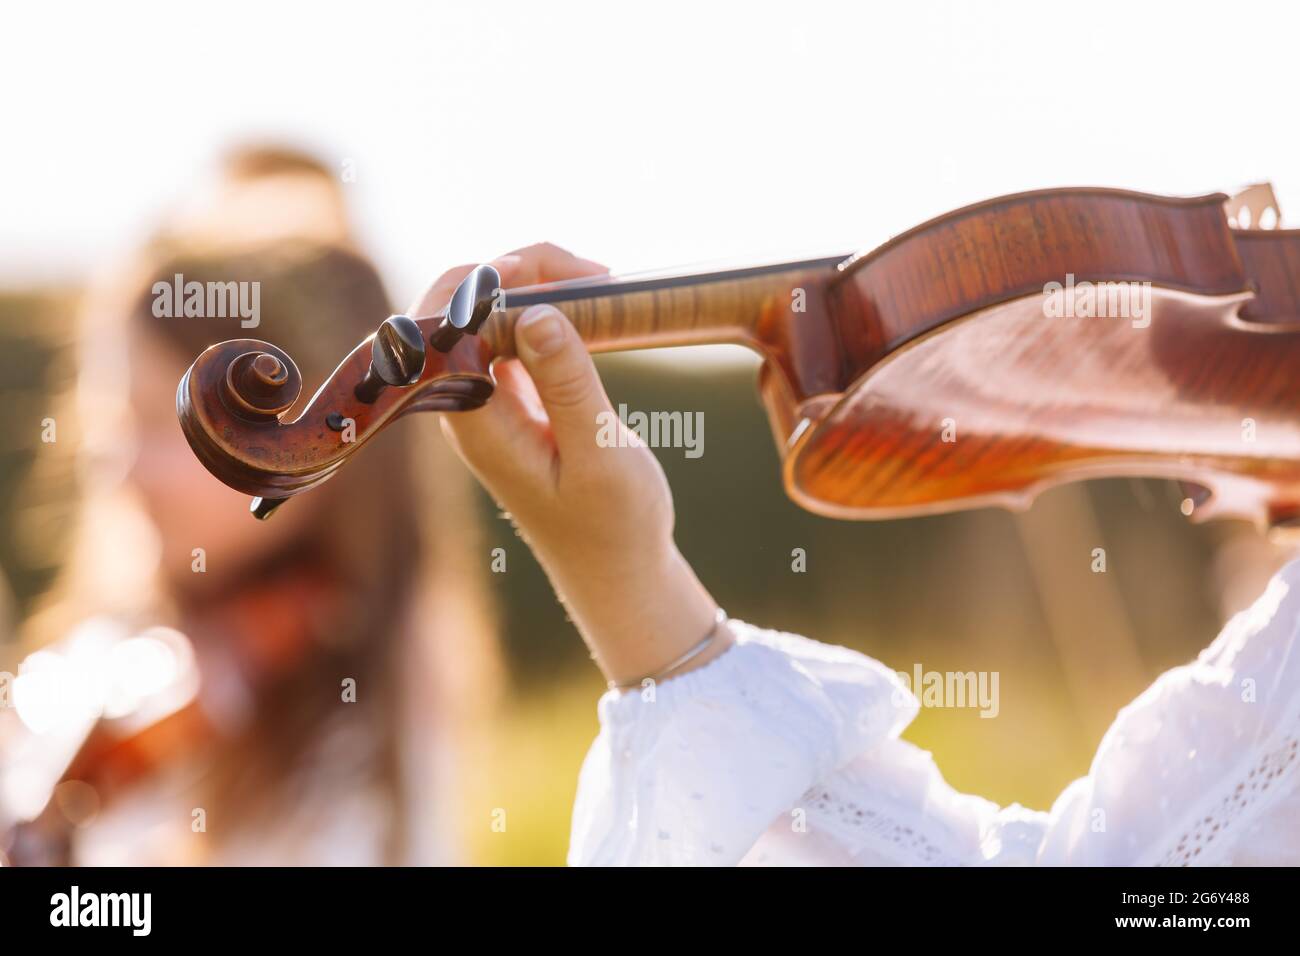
599,519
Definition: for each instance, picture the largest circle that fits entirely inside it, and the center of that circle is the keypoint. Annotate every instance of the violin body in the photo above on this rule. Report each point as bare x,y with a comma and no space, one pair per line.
974,360
961,388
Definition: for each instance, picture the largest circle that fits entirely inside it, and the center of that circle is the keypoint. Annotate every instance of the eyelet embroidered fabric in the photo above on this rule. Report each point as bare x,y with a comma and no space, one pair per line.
1209,840
716,765
857,827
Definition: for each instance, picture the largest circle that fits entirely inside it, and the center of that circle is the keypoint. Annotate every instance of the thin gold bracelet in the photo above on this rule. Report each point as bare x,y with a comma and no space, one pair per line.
719,620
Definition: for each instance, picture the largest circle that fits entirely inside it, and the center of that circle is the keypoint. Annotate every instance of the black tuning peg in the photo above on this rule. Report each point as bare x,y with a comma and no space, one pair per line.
396,357
468,309
263,508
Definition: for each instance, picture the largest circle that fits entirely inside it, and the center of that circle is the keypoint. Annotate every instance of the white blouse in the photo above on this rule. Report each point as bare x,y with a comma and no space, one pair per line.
784,751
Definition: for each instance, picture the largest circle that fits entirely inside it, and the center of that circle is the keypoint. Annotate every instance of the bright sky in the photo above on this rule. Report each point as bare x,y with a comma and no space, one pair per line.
644,135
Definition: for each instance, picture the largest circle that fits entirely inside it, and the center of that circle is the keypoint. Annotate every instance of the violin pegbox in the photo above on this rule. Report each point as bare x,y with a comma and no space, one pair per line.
232,401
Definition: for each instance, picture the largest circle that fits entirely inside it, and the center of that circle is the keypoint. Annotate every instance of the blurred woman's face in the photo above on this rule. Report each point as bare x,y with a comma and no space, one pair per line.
190,508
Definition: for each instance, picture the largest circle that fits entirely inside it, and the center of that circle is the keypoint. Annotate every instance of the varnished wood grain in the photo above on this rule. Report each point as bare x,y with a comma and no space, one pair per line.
1030,401
945,321
1272,261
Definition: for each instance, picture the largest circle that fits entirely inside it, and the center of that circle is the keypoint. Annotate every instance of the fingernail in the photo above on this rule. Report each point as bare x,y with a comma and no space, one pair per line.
542,328
506,262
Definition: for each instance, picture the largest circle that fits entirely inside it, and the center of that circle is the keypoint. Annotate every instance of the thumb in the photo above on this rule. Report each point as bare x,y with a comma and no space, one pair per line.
566,380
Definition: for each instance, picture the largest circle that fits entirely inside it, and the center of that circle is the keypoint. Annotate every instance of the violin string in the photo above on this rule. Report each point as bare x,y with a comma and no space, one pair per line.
568,290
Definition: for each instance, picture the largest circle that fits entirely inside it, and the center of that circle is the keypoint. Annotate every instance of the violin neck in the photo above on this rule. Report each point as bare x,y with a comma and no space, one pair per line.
662,311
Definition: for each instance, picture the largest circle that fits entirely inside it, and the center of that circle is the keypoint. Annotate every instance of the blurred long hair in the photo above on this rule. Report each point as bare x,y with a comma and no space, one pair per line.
388,534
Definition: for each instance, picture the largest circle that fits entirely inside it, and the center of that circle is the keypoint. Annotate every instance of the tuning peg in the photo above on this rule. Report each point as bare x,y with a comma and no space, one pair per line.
396,357
263,508
468,309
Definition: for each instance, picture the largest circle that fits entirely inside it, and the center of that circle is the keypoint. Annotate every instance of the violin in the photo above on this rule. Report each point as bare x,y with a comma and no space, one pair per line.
104,708
976,359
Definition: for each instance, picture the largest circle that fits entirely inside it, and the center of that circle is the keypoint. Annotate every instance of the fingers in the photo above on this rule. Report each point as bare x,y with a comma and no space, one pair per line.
564,376
546,262
438,294
531,424
531,265
504,444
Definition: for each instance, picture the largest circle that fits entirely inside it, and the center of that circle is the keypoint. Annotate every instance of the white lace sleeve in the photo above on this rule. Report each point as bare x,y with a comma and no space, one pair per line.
1202,768
694,772
786,751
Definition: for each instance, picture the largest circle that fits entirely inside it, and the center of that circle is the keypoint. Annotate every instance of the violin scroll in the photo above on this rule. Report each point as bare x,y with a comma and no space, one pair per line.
233,401
235,390
262,386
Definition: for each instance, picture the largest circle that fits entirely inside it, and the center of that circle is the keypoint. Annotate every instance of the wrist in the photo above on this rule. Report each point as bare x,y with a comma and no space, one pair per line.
639,611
